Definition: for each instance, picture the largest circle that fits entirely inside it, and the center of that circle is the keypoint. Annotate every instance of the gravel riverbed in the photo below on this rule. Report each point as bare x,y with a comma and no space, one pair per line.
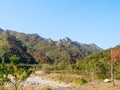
40,81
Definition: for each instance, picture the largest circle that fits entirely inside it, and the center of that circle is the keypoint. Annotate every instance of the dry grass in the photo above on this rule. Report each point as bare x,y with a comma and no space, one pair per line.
93,85
69,78
38,88
61,77
97,85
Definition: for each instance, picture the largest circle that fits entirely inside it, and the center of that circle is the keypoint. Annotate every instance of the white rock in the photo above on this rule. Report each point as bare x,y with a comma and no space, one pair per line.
107,80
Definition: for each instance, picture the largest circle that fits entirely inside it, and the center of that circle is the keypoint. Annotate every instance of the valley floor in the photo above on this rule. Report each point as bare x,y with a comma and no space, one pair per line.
94,85
51,82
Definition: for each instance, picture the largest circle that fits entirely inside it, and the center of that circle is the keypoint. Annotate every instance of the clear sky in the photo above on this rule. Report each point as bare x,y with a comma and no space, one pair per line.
85,21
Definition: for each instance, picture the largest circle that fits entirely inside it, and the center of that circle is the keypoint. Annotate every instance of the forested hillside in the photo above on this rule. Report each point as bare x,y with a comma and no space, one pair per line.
99,63
9,46
49,51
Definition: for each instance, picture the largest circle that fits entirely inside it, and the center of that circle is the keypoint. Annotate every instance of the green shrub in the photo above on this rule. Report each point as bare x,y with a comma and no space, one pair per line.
62,78
46,68
80,81
47,87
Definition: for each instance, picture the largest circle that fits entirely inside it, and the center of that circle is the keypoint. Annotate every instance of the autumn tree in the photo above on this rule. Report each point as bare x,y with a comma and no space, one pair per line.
115,54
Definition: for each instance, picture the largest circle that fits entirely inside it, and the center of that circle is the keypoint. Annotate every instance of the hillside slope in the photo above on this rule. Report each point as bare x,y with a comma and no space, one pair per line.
53,52
99,63
9,46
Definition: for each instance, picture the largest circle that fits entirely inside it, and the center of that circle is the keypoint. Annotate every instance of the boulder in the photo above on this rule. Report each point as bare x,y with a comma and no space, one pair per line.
106,80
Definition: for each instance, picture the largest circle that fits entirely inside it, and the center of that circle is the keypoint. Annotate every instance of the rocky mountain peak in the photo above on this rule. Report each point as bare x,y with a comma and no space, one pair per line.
95,46
67,39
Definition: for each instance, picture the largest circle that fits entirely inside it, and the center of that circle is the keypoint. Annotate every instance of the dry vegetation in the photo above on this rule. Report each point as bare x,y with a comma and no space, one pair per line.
91,85
73,80
97,85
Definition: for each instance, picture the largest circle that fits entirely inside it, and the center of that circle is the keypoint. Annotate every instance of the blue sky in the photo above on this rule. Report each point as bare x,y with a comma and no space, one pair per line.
86,21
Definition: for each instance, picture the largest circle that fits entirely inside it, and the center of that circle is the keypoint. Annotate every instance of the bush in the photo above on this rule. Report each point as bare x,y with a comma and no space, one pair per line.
81,81
62,78
46,68
48,87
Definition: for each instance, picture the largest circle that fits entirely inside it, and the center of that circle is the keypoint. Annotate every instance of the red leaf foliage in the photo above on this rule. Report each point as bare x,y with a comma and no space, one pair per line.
114,55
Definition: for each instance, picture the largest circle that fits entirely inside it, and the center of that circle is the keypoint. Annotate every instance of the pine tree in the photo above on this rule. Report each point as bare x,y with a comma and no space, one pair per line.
4,71
18,74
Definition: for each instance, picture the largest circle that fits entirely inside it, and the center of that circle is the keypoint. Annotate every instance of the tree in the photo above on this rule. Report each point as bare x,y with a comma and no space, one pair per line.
18,74
4,71
114,55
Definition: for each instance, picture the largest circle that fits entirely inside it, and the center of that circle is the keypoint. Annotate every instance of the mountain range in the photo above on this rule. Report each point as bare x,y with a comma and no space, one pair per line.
32,48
